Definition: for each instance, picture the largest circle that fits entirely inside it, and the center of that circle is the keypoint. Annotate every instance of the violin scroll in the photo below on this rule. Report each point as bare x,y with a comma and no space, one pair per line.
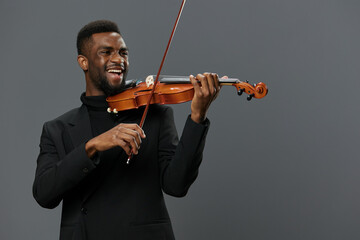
257,90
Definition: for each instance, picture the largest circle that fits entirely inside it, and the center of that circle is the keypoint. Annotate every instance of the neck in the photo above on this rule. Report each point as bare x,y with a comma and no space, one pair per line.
91,90
184,79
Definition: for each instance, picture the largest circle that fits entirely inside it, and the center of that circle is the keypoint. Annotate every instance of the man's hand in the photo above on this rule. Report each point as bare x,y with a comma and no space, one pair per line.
204,93
126,136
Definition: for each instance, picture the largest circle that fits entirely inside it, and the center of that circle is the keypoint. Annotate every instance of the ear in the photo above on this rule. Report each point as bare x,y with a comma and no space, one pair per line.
83,62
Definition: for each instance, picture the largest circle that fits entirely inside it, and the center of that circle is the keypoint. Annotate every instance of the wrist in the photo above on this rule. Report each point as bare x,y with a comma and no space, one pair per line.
197,117
90,149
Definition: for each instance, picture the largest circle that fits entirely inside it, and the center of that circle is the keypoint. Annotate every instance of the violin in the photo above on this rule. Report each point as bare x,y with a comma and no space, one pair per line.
172,90
143,94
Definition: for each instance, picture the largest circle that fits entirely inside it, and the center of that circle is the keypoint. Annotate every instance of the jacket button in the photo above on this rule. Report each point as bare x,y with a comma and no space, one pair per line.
83,210
85,170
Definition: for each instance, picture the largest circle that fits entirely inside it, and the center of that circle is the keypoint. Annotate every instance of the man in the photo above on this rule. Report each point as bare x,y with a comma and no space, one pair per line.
83,153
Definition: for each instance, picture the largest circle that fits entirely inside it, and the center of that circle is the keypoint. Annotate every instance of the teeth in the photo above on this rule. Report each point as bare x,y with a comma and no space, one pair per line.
115,71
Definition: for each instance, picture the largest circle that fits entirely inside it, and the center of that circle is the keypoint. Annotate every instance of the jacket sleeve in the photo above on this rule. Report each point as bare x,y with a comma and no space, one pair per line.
180,160
55,176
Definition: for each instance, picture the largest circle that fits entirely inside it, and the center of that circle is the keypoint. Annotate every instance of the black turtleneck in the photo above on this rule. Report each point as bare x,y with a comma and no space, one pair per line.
101,121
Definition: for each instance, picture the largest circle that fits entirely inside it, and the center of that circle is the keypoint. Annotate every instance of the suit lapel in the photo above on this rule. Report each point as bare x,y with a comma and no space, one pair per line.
80,131
80,128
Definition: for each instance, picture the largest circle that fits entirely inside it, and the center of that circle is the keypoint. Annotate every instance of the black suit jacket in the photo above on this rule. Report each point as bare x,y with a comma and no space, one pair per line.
113,200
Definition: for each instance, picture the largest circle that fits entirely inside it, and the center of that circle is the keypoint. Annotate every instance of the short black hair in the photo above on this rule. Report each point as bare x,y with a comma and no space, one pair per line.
85,33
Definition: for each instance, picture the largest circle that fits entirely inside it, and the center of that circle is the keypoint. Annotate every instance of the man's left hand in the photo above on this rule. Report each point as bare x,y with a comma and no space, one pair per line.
206,89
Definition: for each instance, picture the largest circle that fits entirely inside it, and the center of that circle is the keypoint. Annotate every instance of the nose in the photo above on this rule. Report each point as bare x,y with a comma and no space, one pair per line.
117,58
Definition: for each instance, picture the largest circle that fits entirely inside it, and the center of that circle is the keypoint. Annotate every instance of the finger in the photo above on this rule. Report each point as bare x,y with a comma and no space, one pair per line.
204,83
194,83
224,77
134,127
211,84
124,145
130,142
125,128
129,136
217,83
217,86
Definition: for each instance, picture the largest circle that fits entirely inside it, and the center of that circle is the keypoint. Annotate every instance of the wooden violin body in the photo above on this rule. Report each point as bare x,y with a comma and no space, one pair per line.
173,90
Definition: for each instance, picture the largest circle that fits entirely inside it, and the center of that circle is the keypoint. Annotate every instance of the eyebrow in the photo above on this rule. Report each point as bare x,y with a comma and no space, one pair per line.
124,49
110,48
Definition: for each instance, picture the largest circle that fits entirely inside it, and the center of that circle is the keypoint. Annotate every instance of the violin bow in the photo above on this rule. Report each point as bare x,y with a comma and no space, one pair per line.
159,71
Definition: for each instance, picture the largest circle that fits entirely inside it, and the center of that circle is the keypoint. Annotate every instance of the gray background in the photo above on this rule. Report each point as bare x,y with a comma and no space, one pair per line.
283,167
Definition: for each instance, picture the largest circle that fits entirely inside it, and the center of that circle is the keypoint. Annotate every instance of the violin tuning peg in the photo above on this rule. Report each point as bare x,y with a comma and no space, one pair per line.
109,110
240,91
247,81
250,97
254,85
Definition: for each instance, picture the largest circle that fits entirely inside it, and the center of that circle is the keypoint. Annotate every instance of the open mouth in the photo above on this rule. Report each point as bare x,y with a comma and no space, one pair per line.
116,71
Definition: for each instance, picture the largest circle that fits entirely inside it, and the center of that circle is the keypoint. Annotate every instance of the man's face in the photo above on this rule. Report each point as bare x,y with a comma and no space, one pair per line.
108,62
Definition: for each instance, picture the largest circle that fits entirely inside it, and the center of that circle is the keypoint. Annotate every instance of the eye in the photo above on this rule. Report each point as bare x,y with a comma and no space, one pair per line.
125,53
105,52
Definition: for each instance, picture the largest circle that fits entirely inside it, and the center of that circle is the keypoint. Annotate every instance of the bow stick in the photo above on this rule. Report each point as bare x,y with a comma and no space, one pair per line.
159,71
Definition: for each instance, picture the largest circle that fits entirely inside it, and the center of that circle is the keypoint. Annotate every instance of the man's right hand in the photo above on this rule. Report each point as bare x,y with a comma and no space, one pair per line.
126,136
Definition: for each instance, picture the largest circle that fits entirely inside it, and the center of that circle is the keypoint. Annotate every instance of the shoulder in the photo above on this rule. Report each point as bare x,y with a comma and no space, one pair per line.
65,118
